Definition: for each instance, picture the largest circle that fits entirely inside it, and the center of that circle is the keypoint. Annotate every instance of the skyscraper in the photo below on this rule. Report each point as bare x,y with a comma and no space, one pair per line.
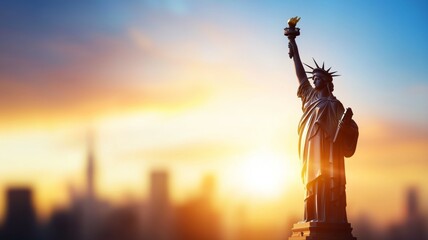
159,189
90,212
414,227
197,218
90,167
20,219
160,212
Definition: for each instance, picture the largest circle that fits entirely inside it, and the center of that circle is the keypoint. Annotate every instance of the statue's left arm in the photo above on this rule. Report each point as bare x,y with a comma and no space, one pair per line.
349,138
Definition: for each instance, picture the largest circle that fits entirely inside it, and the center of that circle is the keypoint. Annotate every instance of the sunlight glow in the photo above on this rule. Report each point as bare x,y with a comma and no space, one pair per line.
263,175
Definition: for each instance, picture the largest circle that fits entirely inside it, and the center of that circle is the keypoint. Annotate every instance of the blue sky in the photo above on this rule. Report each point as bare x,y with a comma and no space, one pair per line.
379,46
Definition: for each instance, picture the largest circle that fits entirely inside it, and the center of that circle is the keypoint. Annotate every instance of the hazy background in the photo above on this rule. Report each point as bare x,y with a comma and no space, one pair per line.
206,87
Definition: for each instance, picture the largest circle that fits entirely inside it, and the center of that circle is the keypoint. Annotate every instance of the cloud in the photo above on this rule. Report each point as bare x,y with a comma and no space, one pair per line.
64,62
103,76
388,144
193,152
144,42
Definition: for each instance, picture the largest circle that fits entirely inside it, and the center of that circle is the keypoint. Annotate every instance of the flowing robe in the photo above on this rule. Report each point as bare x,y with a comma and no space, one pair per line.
323,169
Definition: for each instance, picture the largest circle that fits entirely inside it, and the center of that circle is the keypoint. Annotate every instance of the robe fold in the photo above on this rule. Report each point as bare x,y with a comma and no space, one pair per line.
323,169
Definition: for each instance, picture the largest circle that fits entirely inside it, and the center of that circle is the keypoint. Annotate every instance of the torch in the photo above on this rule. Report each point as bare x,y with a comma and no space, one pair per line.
291,31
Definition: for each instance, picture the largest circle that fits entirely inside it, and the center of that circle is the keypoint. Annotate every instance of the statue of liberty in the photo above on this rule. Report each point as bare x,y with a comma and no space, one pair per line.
327,134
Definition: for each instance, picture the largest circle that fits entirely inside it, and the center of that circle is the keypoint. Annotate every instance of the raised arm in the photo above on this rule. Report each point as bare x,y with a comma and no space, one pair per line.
294,53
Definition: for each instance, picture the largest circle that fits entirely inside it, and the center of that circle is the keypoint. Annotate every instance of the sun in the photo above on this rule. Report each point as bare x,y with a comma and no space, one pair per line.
262,174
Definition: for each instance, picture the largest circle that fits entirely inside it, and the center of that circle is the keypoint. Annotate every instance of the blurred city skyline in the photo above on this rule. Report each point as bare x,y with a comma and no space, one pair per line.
157,217
196,87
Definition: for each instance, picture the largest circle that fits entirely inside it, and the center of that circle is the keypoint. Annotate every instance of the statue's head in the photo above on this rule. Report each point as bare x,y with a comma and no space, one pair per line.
322,77
320,80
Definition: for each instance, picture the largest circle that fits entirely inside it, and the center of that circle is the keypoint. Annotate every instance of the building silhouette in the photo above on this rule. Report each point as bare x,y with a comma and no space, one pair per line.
415,222
121,223
413,226
87,214
88,208
90,168
20,220
63,225
198,218
159,225
159,190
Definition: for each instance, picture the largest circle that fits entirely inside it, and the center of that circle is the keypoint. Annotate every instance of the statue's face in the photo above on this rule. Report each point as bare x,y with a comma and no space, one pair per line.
319,81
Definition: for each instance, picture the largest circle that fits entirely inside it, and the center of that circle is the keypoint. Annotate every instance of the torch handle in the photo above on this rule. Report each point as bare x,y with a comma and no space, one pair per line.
291,33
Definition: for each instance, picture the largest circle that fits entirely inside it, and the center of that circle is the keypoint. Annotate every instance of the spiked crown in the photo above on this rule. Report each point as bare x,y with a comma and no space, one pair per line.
322,70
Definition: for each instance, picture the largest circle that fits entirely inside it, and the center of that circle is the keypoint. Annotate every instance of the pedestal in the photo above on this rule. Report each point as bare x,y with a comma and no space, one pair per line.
322,231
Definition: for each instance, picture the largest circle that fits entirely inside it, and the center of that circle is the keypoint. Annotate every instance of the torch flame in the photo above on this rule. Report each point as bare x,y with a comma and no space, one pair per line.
293,21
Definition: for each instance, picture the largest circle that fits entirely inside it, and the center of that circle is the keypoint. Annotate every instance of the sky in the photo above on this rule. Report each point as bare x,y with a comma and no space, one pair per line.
201,87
